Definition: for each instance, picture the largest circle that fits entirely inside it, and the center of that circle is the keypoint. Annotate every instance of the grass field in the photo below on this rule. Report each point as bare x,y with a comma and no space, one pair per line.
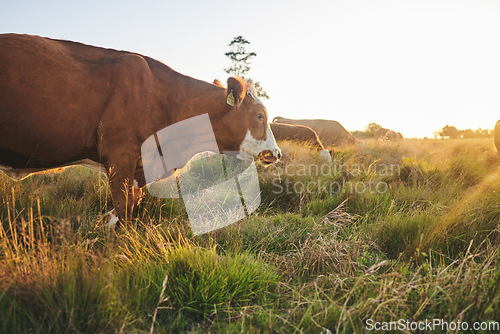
388,231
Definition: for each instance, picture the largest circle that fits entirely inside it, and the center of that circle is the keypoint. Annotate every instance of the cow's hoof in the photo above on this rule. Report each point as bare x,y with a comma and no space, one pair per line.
113,219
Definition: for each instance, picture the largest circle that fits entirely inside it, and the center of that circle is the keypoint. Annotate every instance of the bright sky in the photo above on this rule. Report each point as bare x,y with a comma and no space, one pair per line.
410,65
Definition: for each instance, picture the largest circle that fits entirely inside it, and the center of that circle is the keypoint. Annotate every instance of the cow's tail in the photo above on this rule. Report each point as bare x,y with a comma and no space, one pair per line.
275,119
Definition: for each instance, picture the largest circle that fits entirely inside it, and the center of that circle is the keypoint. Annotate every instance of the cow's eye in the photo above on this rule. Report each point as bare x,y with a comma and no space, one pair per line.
260,117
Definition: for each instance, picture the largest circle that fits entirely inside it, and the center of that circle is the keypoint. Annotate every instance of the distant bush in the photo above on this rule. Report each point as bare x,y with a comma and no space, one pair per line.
454,133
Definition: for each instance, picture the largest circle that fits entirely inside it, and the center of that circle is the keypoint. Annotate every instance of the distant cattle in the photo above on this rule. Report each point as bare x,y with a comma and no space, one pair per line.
384,134
64,103
300,133
329,132
496,134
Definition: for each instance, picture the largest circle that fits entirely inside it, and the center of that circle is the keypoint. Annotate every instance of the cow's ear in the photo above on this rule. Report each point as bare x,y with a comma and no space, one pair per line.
218,83
236,90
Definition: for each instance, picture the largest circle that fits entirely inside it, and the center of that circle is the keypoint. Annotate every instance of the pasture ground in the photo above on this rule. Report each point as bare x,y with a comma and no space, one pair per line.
389,231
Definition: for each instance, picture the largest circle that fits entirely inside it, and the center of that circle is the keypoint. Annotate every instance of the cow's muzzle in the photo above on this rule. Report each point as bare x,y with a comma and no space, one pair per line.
267,157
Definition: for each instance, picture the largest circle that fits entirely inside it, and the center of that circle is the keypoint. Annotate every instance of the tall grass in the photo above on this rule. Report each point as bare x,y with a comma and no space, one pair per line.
308,260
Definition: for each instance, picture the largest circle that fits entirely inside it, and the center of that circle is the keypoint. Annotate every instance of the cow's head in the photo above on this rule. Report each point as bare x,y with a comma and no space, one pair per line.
245,123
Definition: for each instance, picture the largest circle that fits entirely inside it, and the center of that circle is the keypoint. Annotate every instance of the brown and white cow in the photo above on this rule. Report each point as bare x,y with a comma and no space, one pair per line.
330,132
300,133
295,133
64,103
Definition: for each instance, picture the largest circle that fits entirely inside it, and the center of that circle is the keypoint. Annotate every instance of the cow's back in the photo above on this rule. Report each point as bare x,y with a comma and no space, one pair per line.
384,134
52,94
496,135
300,133
330,132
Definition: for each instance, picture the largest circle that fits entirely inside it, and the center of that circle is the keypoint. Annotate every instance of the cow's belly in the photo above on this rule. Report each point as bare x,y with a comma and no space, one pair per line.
19,174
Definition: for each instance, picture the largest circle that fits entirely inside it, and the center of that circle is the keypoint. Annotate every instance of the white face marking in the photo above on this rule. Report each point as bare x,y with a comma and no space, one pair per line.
251,146
255,146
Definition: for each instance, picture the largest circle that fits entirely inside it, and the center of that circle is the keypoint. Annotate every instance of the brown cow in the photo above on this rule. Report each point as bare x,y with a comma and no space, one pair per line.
330,132
64,103
384,134
300,133
496,134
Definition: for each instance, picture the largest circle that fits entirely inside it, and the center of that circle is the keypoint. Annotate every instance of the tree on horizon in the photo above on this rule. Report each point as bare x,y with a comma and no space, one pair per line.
241,63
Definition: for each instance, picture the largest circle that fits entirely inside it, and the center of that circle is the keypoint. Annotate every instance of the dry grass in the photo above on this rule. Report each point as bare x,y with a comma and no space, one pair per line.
427,247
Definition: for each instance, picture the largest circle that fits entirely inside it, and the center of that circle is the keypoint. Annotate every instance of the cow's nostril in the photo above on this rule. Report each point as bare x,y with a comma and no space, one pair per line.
279,155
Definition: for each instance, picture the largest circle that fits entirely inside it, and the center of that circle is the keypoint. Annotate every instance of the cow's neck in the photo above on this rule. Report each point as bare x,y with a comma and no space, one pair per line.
184,97
195,97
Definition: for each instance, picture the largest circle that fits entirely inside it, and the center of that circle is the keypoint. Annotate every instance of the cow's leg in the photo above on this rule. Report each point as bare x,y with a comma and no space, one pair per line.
136,199
123,193
137,195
